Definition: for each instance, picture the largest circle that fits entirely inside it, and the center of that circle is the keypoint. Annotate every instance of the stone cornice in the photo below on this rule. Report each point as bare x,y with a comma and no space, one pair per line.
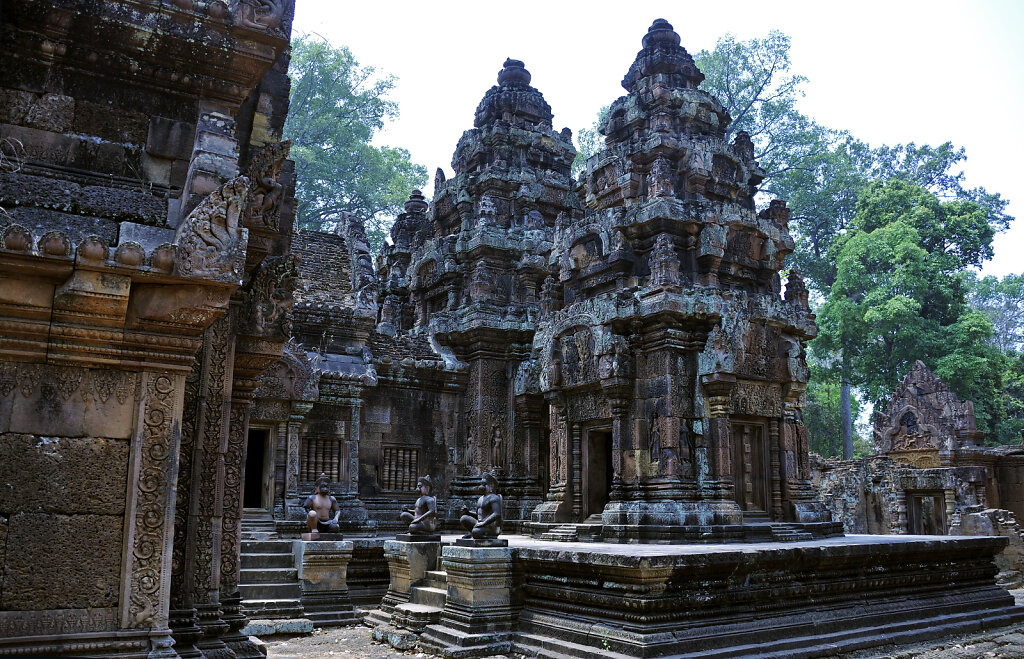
122,307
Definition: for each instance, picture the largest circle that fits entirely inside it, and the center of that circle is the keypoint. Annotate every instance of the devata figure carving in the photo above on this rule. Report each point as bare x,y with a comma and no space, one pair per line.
266,193
422,519
260,14
270,297
323,508
486,522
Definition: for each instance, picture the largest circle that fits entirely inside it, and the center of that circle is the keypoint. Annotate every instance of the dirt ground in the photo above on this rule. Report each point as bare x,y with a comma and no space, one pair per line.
356,643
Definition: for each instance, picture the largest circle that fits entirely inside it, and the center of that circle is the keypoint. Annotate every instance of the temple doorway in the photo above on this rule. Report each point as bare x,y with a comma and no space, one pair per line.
926,513
254,492
750,467
597,476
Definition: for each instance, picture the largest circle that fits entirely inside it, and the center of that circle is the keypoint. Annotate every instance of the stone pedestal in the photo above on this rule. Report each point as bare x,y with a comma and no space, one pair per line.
408,564
323,567
478,615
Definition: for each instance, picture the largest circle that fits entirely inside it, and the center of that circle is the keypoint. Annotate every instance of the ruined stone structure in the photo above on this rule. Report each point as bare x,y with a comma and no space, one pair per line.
145,283
930,466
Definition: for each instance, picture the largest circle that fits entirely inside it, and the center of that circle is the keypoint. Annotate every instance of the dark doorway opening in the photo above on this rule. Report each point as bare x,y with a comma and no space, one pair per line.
926,513
597,478
750,467
255,457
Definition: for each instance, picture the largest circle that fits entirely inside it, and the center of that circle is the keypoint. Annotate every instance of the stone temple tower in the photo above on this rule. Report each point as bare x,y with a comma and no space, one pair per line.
470,270
669,365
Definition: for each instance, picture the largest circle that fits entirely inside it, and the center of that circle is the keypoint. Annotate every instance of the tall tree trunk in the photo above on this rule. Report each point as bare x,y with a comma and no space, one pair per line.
847,419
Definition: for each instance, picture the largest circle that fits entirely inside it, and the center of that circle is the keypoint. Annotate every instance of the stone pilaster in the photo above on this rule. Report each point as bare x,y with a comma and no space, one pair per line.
145,594
323,578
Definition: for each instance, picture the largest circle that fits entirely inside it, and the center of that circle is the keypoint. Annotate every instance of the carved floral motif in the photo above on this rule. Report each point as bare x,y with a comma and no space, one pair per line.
144,608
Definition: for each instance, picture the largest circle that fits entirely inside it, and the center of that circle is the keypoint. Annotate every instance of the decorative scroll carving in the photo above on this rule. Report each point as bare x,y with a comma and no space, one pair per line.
217,349
269,300
230,525
56,621
183,505
266,193
211,241
149,546
90,384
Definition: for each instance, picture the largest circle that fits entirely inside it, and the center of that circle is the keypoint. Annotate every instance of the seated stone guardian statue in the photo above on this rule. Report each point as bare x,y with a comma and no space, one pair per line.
323,509
422,519
484,526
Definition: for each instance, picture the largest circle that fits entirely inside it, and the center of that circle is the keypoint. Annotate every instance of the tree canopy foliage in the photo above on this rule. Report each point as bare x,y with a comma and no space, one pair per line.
337,106
886,236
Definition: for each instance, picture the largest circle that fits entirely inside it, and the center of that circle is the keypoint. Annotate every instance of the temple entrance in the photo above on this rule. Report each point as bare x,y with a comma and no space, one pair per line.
926,513
597,475
750,467
254,493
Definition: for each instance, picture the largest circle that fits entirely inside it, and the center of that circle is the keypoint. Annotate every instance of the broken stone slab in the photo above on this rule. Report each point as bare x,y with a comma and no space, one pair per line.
271,627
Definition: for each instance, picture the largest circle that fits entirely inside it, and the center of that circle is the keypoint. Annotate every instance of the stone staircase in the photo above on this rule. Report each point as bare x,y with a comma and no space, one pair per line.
589,530
426,602
268,579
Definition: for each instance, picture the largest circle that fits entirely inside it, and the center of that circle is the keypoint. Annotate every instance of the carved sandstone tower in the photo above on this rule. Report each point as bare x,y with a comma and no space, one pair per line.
476,278
672,366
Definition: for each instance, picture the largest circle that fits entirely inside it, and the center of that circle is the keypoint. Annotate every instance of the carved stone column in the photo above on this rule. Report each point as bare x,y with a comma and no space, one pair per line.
203,545
717,388
620,441
776,475
558,506
294,426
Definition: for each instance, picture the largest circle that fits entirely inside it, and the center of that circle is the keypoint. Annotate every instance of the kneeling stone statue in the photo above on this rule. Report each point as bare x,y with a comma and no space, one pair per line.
422,519
484,526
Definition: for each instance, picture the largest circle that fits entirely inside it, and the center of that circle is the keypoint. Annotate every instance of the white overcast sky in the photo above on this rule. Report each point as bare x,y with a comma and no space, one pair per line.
888,72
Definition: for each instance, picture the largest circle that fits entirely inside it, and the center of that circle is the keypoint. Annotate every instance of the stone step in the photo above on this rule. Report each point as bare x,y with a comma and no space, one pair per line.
437,579
268,575
416,617
260,529
269,591
266,609
267,561
565,533
428,595
266,546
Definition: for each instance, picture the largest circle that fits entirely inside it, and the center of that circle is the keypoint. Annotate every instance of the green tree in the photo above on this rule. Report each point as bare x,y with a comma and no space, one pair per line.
823,409
752,79
337,106
900,294
588,142
1003,301
1010,425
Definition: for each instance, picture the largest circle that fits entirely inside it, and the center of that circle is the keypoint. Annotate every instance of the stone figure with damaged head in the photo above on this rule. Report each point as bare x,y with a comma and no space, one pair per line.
486,522
422,519
323,508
